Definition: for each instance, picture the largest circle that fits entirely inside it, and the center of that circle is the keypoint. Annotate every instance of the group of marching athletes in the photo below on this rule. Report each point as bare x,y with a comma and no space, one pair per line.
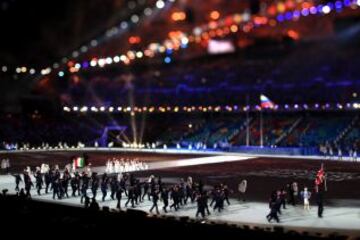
87,184
49,180
291,194
114,186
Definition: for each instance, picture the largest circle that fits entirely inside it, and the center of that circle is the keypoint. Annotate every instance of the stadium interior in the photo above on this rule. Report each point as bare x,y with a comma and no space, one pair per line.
160,81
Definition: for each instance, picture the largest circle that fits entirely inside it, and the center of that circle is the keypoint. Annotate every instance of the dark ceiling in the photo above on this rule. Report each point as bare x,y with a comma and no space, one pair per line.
34,32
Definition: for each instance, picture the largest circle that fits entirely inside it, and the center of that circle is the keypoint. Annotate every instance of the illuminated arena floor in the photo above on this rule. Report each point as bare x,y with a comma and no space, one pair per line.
342,215
344,220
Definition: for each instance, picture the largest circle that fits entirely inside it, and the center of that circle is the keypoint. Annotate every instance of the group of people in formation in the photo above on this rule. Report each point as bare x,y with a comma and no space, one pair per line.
122,165
337,153
49,180
292,195
115,186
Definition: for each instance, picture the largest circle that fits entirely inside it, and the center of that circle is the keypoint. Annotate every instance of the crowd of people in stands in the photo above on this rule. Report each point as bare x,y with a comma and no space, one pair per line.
218,132
212,80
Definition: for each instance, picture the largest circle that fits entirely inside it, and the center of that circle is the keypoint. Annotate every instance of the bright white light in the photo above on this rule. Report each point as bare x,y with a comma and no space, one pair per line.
77,65
93,63
23,69
134,18
116,59
4,68
75,109
139,54
66,109
185,40
61,74
111,109
326,9
358,3
160,4
147,11
123,58
94,109
46,71
108,60
102,109
32,71
84,109
18,70
101,62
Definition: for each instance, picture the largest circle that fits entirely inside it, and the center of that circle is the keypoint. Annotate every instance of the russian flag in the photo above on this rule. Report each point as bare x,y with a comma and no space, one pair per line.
265,102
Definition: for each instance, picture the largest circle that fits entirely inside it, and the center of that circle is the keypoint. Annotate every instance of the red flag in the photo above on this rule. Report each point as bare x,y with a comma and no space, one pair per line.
320,176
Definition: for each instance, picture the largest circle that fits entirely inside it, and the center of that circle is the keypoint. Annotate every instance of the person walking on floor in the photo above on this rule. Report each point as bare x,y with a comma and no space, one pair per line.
155,199
242,189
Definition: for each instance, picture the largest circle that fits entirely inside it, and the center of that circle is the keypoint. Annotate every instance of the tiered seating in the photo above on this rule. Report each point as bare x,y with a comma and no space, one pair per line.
225,133
323,130
352,138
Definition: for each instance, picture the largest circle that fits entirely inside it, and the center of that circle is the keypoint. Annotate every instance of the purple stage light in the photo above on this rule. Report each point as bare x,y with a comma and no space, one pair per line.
305,12
338,5
296,14
85,64
313,10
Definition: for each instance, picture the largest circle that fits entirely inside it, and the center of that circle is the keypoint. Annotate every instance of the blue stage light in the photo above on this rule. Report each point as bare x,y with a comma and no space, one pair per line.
288,16
305,12
280,18
167,60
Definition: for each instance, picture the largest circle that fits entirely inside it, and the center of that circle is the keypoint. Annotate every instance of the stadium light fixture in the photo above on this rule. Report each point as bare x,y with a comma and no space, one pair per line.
160,4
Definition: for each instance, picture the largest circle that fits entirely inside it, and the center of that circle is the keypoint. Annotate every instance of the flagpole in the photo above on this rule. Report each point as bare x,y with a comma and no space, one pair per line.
261,129
247,122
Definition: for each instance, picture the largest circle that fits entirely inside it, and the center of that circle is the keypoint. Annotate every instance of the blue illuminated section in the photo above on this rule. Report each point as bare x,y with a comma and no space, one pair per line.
305,12
167,60
169,51
280,18
288,16
85,64
296,14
